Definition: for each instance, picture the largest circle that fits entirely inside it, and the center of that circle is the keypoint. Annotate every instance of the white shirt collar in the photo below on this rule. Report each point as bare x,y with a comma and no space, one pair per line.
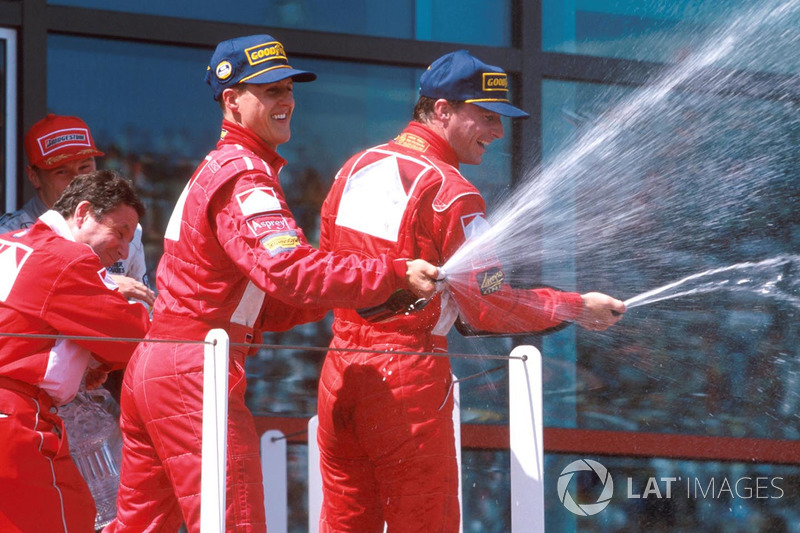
58,224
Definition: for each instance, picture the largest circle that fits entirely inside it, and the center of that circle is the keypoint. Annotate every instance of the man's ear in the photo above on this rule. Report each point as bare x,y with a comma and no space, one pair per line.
442,109
83,210
33,177
230,99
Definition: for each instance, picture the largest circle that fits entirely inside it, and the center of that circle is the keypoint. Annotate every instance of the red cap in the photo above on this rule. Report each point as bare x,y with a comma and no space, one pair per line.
56,140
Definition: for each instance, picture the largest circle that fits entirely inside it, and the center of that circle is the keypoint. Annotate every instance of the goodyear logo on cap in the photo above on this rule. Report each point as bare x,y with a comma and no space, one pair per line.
490,280
67,137
495,81
265,52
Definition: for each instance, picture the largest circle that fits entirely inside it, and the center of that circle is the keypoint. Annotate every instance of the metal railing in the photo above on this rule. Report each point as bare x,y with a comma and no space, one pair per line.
526,443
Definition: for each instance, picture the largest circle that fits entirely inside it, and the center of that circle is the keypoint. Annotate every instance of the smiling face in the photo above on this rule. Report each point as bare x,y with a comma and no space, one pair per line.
51,183
108,236
469,129
265,109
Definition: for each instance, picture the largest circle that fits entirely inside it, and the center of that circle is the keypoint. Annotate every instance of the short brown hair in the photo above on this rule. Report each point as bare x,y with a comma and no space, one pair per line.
423,110
239,88
105,190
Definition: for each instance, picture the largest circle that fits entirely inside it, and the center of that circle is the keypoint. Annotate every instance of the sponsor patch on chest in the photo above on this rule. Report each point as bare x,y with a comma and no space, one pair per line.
409,140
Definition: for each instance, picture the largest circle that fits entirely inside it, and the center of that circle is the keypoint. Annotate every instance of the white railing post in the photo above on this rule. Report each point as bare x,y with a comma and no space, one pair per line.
215,432
314,477
273,469
457,432
526,440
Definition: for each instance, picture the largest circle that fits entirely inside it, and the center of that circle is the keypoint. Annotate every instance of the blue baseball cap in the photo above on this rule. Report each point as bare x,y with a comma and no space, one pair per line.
462,77
251,59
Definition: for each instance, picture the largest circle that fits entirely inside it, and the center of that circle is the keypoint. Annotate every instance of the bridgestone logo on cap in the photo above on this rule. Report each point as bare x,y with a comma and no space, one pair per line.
57,140
265,52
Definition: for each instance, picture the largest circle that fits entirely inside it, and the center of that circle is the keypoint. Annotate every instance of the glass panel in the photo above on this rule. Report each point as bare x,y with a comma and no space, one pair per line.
474,22
486,492
664,31
8,120
149,111
297,480
668,495
648,494
4,168
644,188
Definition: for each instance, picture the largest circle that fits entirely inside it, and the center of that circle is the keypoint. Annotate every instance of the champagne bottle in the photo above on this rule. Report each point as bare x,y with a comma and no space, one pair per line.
401,302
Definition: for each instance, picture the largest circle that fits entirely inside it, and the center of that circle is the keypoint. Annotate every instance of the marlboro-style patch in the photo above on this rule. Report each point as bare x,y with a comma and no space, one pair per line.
490,280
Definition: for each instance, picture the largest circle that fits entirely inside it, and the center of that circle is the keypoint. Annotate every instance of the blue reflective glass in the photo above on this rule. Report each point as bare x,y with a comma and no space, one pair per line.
646,494
472,21
3,122
655,30
689,196
149,111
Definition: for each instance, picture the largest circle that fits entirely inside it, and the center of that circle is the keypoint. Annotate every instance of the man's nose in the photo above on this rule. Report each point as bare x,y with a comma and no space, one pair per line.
498,131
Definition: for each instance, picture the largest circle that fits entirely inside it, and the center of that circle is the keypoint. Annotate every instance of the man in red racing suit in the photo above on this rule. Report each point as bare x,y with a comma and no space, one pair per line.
52,283
386,443
235,259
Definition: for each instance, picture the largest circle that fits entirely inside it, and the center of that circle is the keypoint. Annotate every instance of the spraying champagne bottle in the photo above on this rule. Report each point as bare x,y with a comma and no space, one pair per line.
401,302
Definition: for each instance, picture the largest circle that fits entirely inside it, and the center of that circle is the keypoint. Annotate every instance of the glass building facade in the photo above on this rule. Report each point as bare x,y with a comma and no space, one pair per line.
664,141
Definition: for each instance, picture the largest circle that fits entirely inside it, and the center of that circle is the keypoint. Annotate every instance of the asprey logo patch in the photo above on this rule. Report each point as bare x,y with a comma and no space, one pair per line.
258,200
495,81
67,137
490,280
277,243
12,257
265,52
263,224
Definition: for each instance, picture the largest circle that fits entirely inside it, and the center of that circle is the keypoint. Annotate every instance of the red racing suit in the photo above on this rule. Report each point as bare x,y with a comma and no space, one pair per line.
387,449
235,259
51,285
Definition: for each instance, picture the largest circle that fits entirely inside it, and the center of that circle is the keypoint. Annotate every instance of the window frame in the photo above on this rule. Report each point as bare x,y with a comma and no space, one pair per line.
10,170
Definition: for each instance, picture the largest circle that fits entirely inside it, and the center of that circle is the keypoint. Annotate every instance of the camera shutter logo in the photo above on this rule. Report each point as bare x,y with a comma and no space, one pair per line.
586,509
